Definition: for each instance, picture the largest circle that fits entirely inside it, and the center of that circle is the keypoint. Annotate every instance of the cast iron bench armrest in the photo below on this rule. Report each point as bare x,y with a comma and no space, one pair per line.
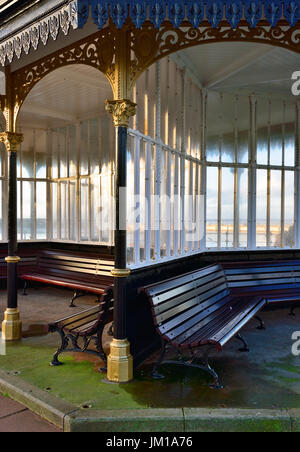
87,325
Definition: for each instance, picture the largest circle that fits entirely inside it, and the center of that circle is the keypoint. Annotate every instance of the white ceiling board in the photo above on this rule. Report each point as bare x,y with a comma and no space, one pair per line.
66,95
246,67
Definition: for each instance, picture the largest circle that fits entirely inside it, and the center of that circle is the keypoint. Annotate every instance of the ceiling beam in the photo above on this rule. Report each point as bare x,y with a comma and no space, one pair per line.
29,107
238,65
256,82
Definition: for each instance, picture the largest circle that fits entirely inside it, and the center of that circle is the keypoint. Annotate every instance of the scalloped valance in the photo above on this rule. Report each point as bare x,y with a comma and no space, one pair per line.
193,11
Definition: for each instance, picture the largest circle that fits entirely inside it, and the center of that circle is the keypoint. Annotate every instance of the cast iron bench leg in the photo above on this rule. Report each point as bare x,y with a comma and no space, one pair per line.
100,350
111,330
155,374
25,288
64,344
245,349
262,325
77,294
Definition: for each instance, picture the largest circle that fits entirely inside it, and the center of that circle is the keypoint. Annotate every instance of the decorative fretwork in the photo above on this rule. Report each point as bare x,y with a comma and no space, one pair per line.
97,50
123,55
150,44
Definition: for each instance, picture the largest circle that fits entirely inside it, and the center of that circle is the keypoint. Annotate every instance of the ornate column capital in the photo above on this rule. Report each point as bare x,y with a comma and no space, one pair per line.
11,140
121,110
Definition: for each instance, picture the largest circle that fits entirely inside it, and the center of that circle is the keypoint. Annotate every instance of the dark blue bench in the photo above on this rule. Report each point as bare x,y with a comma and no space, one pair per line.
278,282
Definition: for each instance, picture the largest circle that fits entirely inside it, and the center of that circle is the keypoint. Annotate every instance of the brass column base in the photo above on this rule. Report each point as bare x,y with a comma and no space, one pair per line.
120,362
11,325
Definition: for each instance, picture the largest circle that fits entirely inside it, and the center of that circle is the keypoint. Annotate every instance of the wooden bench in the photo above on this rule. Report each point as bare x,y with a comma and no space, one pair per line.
87,327
278,282
197,312
82,273
27,263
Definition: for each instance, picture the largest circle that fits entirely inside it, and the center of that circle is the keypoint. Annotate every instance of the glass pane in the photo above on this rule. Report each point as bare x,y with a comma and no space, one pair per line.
64,211
212,208
242,202
72,151
276,145
41,210
227,204
28,210
213,126
84,143
289,145
228,127
261,208
263,118
73,213
54,211
94,146
84,195
41,153
275,212
289,208
54,153
63,152
27,150
243,124
95,208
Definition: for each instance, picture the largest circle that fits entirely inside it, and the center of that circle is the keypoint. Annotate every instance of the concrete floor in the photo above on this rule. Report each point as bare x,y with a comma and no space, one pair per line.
267,377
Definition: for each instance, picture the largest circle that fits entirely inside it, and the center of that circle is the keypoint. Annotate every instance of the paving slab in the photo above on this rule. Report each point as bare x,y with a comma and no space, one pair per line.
26,422
9,407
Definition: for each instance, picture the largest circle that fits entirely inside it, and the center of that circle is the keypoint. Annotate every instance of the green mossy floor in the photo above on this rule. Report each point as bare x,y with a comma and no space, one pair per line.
268,377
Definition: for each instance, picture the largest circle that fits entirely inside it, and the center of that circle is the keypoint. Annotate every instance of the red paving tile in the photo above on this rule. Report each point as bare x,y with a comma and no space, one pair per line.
16,418
8,406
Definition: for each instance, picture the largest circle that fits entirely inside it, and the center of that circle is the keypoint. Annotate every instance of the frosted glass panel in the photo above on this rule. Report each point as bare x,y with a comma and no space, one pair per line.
275,208
276,147
84,194
227,204
72,151
84,147
41,153
73,212
263,123
94,146
242,206
41,210
62,145
95,208
261,208
28,210
212,208
289,210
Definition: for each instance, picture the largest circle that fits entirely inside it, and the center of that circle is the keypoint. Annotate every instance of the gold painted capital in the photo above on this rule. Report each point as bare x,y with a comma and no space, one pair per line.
116,273
11,140
121,110
12,259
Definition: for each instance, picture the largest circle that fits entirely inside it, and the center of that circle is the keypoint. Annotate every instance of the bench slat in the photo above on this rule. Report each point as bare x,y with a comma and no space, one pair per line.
205,300
177,282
